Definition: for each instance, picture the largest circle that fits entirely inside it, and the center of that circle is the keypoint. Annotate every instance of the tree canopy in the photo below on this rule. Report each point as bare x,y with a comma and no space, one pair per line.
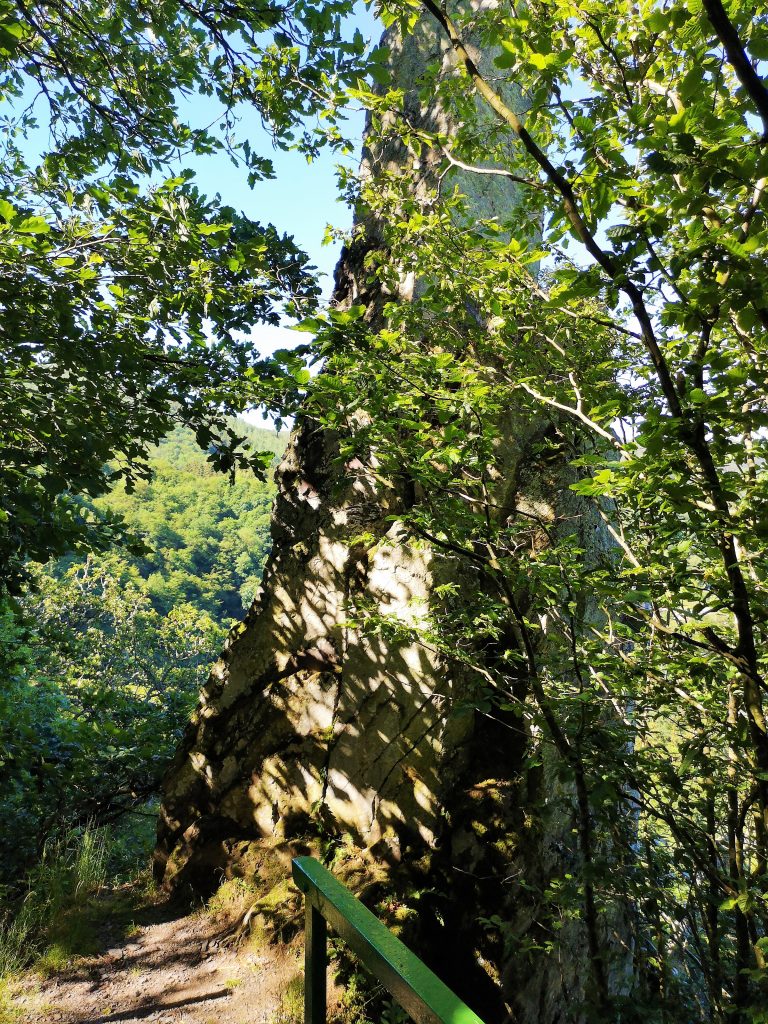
103,657
129,299
622,308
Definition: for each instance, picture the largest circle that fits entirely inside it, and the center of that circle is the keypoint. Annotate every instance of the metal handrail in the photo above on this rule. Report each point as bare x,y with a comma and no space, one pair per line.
411,983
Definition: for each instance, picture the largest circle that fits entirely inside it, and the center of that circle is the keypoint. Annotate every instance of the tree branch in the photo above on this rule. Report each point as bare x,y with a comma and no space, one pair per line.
738,59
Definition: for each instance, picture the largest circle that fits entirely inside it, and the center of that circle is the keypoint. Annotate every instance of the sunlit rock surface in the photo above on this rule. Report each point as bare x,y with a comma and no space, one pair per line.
311,735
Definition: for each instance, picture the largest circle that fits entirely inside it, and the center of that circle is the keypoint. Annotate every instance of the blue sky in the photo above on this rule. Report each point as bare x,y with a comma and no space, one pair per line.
300,201
302,198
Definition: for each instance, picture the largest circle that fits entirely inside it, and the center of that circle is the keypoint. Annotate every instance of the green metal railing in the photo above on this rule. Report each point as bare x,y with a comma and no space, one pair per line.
408,980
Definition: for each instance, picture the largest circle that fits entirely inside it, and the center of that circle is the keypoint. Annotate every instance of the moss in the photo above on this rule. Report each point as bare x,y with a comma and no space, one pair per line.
361,873
277,898
507,846
405,913
257,941
355,1001
233,897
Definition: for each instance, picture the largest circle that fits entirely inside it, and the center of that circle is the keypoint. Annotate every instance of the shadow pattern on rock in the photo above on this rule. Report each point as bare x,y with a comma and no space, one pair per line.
314,735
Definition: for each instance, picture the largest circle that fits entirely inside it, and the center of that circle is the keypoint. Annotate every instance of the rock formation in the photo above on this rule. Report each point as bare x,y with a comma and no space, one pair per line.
312,735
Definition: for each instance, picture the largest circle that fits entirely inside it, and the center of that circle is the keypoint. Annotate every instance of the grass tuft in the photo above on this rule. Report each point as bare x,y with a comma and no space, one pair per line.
10,1012
69,872
292,1002
232,898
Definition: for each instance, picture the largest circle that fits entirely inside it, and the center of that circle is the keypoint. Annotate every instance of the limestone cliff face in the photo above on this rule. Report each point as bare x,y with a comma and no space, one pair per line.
311,734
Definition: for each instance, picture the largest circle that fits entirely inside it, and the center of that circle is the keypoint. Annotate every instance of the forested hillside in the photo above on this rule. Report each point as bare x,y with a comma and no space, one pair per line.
207,538
105,653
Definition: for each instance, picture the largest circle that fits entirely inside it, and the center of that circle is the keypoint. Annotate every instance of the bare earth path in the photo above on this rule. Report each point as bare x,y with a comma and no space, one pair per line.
171,969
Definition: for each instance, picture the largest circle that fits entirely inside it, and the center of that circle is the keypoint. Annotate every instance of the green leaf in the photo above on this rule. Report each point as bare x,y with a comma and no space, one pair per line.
213,229
508,58
542,61
33,226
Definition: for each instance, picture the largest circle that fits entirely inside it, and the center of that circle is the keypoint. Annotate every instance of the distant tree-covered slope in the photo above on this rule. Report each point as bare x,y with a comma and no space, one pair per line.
180,449
102,658
206,538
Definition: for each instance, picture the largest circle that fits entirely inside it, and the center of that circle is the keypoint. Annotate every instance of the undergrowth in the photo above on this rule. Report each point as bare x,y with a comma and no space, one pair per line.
60,909
233,898
292,1002
69,870
9,1013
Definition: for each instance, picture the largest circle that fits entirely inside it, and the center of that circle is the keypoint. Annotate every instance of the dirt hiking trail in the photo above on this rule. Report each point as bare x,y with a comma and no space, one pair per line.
170,968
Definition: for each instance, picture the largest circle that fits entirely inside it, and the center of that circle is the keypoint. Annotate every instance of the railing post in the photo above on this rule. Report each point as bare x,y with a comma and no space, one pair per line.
315,963
423,996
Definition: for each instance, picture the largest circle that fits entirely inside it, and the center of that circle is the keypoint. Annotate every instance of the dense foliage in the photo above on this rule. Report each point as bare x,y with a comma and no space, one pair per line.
206,538
127,297
635,659
637,664
103,659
